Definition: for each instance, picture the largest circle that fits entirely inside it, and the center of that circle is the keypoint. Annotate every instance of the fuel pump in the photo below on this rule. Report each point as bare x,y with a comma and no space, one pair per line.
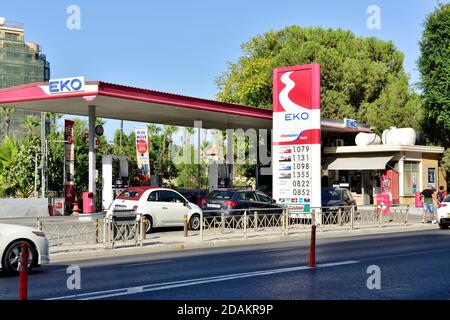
114,179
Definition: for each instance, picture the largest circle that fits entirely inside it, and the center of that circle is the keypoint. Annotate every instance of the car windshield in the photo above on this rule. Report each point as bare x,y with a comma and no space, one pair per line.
219,195
129,194
331,194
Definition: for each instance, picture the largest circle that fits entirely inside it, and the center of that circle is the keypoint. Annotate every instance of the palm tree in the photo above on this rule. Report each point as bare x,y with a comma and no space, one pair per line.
6,114
168,131
30,124
188,132
121,135
205,145
53,117
153,130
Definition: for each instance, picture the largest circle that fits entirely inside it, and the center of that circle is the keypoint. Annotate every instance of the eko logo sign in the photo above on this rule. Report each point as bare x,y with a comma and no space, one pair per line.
66,85
296,138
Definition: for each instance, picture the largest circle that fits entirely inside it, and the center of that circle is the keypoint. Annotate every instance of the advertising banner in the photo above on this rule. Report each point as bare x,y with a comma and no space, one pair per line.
142,156
296,149
69,161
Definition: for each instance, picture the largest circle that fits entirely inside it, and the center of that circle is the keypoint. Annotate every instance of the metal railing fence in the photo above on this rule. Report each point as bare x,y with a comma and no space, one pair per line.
253,220
128,228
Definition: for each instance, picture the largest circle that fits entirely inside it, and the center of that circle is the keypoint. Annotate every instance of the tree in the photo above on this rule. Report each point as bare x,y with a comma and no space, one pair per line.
6,114
52,118
360,77
188,132
30,124
8,151
168,132
55,165
204,148
17,177
191,175
434,66
121,133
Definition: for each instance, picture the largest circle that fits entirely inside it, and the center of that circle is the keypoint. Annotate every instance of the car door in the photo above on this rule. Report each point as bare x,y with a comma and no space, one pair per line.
153,207
251,200
266,202
173,208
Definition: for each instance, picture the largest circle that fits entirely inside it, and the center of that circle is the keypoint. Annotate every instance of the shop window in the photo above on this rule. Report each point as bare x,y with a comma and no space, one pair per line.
356,182
411,176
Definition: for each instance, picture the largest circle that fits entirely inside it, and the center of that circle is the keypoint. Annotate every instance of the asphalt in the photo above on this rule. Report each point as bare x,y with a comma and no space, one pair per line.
413,265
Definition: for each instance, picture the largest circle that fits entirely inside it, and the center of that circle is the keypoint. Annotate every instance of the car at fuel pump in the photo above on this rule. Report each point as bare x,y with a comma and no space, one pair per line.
160,206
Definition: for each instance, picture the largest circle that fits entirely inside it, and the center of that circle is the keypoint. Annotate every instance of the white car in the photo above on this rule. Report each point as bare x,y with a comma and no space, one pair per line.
11,239
443,213
161,207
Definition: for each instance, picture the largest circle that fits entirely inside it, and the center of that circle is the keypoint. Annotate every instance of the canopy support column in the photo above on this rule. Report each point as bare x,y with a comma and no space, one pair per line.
92,119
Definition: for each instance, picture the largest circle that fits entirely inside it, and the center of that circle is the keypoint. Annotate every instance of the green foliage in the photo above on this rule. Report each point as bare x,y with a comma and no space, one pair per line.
55,165
434,66
191,175
30,123
17,177
18,159
6,114
8,151
360,77
446,160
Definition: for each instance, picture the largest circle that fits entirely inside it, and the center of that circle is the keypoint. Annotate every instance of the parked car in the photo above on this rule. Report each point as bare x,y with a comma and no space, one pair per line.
11,239
229,201
162,207
335,199
443,213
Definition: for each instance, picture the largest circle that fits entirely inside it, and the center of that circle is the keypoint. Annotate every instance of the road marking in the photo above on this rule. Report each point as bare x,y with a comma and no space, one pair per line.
146,263
406,254
190,282
335,264
276,250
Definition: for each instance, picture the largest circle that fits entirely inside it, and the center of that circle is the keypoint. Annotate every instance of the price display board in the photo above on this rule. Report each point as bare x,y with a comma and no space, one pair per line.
296,152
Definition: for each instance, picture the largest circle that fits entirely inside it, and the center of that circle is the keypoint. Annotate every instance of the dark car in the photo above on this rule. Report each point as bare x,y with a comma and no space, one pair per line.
335,199
229,201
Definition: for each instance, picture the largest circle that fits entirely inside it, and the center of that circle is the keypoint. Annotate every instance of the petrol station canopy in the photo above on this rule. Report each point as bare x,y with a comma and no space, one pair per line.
94,99
121,102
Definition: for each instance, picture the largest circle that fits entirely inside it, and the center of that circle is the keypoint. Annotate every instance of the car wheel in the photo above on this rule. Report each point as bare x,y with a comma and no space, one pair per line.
148,224
443,226
11,257
194,222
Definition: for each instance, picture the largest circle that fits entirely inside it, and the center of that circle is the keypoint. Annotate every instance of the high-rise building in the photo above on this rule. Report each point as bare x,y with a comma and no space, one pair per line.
20,63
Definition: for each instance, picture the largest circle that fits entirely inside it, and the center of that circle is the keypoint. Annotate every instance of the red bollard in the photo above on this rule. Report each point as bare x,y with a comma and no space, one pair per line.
23,270
312,247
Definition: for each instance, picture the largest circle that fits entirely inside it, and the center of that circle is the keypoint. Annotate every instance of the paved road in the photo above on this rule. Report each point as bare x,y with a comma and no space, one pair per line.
413,265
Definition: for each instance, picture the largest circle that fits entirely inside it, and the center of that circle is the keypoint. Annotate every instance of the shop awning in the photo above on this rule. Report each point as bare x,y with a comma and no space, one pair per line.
359,163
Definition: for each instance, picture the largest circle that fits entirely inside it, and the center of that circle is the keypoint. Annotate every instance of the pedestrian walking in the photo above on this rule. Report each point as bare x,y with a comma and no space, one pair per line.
429,198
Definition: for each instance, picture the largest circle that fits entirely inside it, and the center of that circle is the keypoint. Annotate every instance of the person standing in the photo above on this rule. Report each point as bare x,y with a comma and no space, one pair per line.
441,194
428,197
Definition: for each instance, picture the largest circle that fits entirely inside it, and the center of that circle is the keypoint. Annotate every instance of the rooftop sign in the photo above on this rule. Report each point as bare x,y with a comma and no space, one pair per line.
66,85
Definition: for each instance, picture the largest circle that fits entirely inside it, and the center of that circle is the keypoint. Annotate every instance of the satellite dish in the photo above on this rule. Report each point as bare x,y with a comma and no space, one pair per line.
2,21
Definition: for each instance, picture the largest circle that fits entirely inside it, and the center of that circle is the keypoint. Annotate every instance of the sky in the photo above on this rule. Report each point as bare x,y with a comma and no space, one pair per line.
182,46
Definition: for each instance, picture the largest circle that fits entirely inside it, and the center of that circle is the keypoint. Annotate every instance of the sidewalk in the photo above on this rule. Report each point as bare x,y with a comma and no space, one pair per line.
174,241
